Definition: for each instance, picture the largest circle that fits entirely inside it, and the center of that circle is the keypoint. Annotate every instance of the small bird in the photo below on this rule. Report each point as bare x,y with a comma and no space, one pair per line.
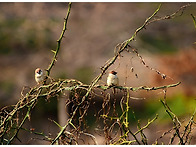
39,77
112,79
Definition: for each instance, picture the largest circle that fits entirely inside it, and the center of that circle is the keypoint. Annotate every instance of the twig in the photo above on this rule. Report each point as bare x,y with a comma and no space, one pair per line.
122,47
190,123
175,121
139,88
23,121
92,136
59,42
143,136
194,20
149,122
64,127
173,15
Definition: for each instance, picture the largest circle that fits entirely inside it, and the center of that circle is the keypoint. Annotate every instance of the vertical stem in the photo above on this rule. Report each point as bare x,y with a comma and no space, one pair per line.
59,42
127,110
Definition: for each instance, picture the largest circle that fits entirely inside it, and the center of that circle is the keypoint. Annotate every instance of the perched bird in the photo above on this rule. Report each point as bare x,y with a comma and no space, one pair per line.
39,77
112,79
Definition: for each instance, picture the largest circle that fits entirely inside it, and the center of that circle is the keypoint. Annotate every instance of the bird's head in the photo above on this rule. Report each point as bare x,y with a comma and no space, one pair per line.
38,71
113,72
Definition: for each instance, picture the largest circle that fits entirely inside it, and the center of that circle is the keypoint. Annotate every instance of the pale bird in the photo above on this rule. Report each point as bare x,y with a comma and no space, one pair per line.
112,79
39,77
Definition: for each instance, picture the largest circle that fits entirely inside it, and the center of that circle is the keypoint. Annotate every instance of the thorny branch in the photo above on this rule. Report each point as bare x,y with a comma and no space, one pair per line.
59,42
29,105
125,44
173,15
121,47
82,95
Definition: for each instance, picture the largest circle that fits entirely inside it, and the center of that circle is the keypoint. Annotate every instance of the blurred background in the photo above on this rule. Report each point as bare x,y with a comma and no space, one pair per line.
28,33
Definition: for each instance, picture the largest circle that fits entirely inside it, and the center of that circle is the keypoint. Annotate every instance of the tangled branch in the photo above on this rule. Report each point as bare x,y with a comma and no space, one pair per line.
80,101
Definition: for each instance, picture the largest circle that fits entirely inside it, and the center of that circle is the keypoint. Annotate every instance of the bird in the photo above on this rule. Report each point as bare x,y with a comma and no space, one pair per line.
39,77
112,79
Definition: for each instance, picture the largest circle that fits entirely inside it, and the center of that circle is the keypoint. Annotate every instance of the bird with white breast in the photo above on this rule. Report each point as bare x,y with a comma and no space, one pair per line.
39,77
112,79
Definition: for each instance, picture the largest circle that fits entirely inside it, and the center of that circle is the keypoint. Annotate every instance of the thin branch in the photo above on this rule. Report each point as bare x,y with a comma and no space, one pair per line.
122,47
59,42
186,130
194,20
92,136
139,88
149,122
173,15
64,127
175,121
